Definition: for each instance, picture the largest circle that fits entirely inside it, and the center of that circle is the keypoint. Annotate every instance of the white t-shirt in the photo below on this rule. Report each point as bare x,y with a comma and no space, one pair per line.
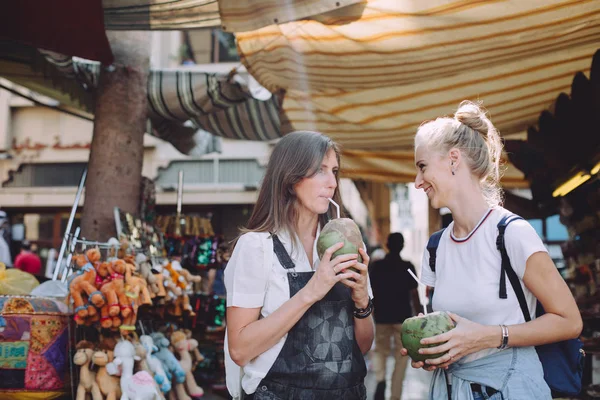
255,278
467,273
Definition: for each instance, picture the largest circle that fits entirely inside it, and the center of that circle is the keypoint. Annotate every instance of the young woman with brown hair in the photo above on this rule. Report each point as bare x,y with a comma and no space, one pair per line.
296,325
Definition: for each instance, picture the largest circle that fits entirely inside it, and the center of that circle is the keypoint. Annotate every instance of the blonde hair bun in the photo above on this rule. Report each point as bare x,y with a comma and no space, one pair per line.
474,116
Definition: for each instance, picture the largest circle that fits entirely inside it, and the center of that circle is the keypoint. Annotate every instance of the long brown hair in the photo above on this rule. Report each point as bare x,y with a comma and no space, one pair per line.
296,156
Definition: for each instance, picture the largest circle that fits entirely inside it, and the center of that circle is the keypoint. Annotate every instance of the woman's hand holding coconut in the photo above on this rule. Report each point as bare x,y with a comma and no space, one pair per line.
466,338
330,272
359,281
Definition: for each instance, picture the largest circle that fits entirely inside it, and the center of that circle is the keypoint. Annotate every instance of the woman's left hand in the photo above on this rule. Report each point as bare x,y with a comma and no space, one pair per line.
359,281
466,338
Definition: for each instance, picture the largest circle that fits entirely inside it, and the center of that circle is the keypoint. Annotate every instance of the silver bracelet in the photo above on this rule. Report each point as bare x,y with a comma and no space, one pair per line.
504,344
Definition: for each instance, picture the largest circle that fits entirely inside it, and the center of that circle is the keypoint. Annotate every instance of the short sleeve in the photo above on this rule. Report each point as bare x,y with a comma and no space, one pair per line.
521,241
427,275
247,272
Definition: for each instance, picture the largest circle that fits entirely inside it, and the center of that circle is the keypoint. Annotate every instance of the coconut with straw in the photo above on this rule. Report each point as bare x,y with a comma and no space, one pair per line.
340,230
424,326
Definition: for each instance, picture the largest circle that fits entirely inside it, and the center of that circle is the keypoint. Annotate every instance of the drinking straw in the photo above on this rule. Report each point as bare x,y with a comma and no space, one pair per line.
420,283
337,207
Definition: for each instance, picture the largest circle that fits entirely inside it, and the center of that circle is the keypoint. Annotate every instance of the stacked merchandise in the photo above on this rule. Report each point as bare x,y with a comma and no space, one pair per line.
580,213
116,295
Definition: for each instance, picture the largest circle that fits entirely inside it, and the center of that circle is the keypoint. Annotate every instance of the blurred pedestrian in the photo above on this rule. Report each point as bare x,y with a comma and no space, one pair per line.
5,255
28,261
393,288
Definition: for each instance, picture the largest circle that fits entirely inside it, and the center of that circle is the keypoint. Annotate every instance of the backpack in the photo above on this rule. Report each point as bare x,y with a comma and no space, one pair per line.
563,361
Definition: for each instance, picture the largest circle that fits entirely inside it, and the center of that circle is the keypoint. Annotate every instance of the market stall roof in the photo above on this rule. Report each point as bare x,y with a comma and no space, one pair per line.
230,15
220,104
369,74
180,101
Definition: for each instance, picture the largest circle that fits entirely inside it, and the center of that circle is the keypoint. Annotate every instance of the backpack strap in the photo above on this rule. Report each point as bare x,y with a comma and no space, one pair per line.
432,245
507,269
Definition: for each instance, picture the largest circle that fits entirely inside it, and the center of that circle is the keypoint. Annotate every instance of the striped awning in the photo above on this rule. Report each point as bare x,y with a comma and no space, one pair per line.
398,166
229,15
369,74
214,103
160,14
180,102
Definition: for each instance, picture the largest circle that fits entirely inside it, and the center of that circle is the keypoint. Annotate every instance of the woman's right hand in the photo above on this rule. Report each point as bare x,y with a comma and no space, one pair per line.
330,272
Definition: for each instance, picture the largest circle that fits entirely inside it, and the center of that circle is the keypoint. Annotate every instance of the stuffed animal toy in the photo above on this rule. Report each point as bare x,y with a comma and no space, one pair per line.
144,268
142,364
176,277
136,286
178,285
114,248
185,276
193,347
81,283
128,325
87,378
155,364
134,387
160,281
109,385
170,364
181,346
118,269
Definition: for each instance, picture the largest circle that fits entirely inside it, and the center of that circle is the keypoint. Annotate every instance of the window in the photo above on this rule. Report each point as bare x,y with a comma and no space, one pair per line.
210,172
224,48
46,175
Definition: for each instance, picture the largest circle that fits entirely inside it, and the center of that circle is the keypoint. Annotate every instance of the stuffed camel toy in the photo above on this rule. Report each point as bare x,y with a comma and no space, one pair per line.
109,385
87,378
82,283
182,345
138,386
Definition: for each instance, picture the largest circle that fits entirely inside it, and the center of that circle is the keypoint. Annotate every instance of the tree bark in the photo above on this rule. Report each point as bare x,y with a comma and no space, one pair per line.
116,156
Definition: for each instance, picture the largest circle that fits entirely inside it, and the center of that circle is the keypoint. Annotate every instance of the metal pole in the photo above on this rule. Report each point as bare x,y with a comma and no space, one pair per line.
73,244
179,201
63,246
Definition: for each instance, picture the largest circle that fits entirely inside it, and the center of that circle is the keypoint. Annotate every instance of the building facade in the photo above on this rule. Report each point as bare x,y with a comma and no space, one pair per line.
43,153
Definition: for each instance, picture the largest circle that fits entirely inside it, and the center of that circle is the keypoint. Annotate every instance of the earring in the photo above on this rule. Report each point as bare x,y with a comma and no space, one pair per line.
453,168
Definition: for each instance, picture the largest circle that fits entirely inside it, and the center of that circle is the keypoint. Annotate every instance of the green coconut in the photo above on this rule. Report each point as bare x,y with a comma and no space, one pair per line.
340,230
417,328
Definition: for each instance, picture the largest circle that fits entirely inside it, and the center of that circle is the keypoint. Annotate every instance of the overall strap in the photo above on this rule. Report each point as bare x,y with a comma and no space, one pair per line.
507,268
282,255
432,245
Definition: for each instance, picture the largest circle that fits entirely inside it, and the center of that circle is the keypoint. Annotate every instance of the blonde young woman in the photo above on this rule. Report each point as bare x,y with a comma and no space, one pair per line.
297,326
457,162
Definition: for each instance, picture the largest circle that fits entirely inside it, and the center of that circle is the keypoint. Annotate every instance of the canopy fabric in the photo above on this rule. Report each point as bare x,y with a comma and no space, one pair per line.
369,74
248,15
214,103
160,14
229,15
398,166
220,104
26,67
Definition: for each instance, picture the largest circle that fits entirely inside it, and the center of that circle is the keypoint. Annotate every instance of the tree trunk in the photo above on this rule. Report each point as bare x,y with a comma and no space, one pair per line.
116,157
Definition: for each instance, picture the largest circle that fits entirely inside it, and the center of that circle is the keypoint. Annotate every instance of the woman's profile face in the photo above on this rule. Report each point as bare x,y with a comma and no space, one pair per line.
313,192
433,175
